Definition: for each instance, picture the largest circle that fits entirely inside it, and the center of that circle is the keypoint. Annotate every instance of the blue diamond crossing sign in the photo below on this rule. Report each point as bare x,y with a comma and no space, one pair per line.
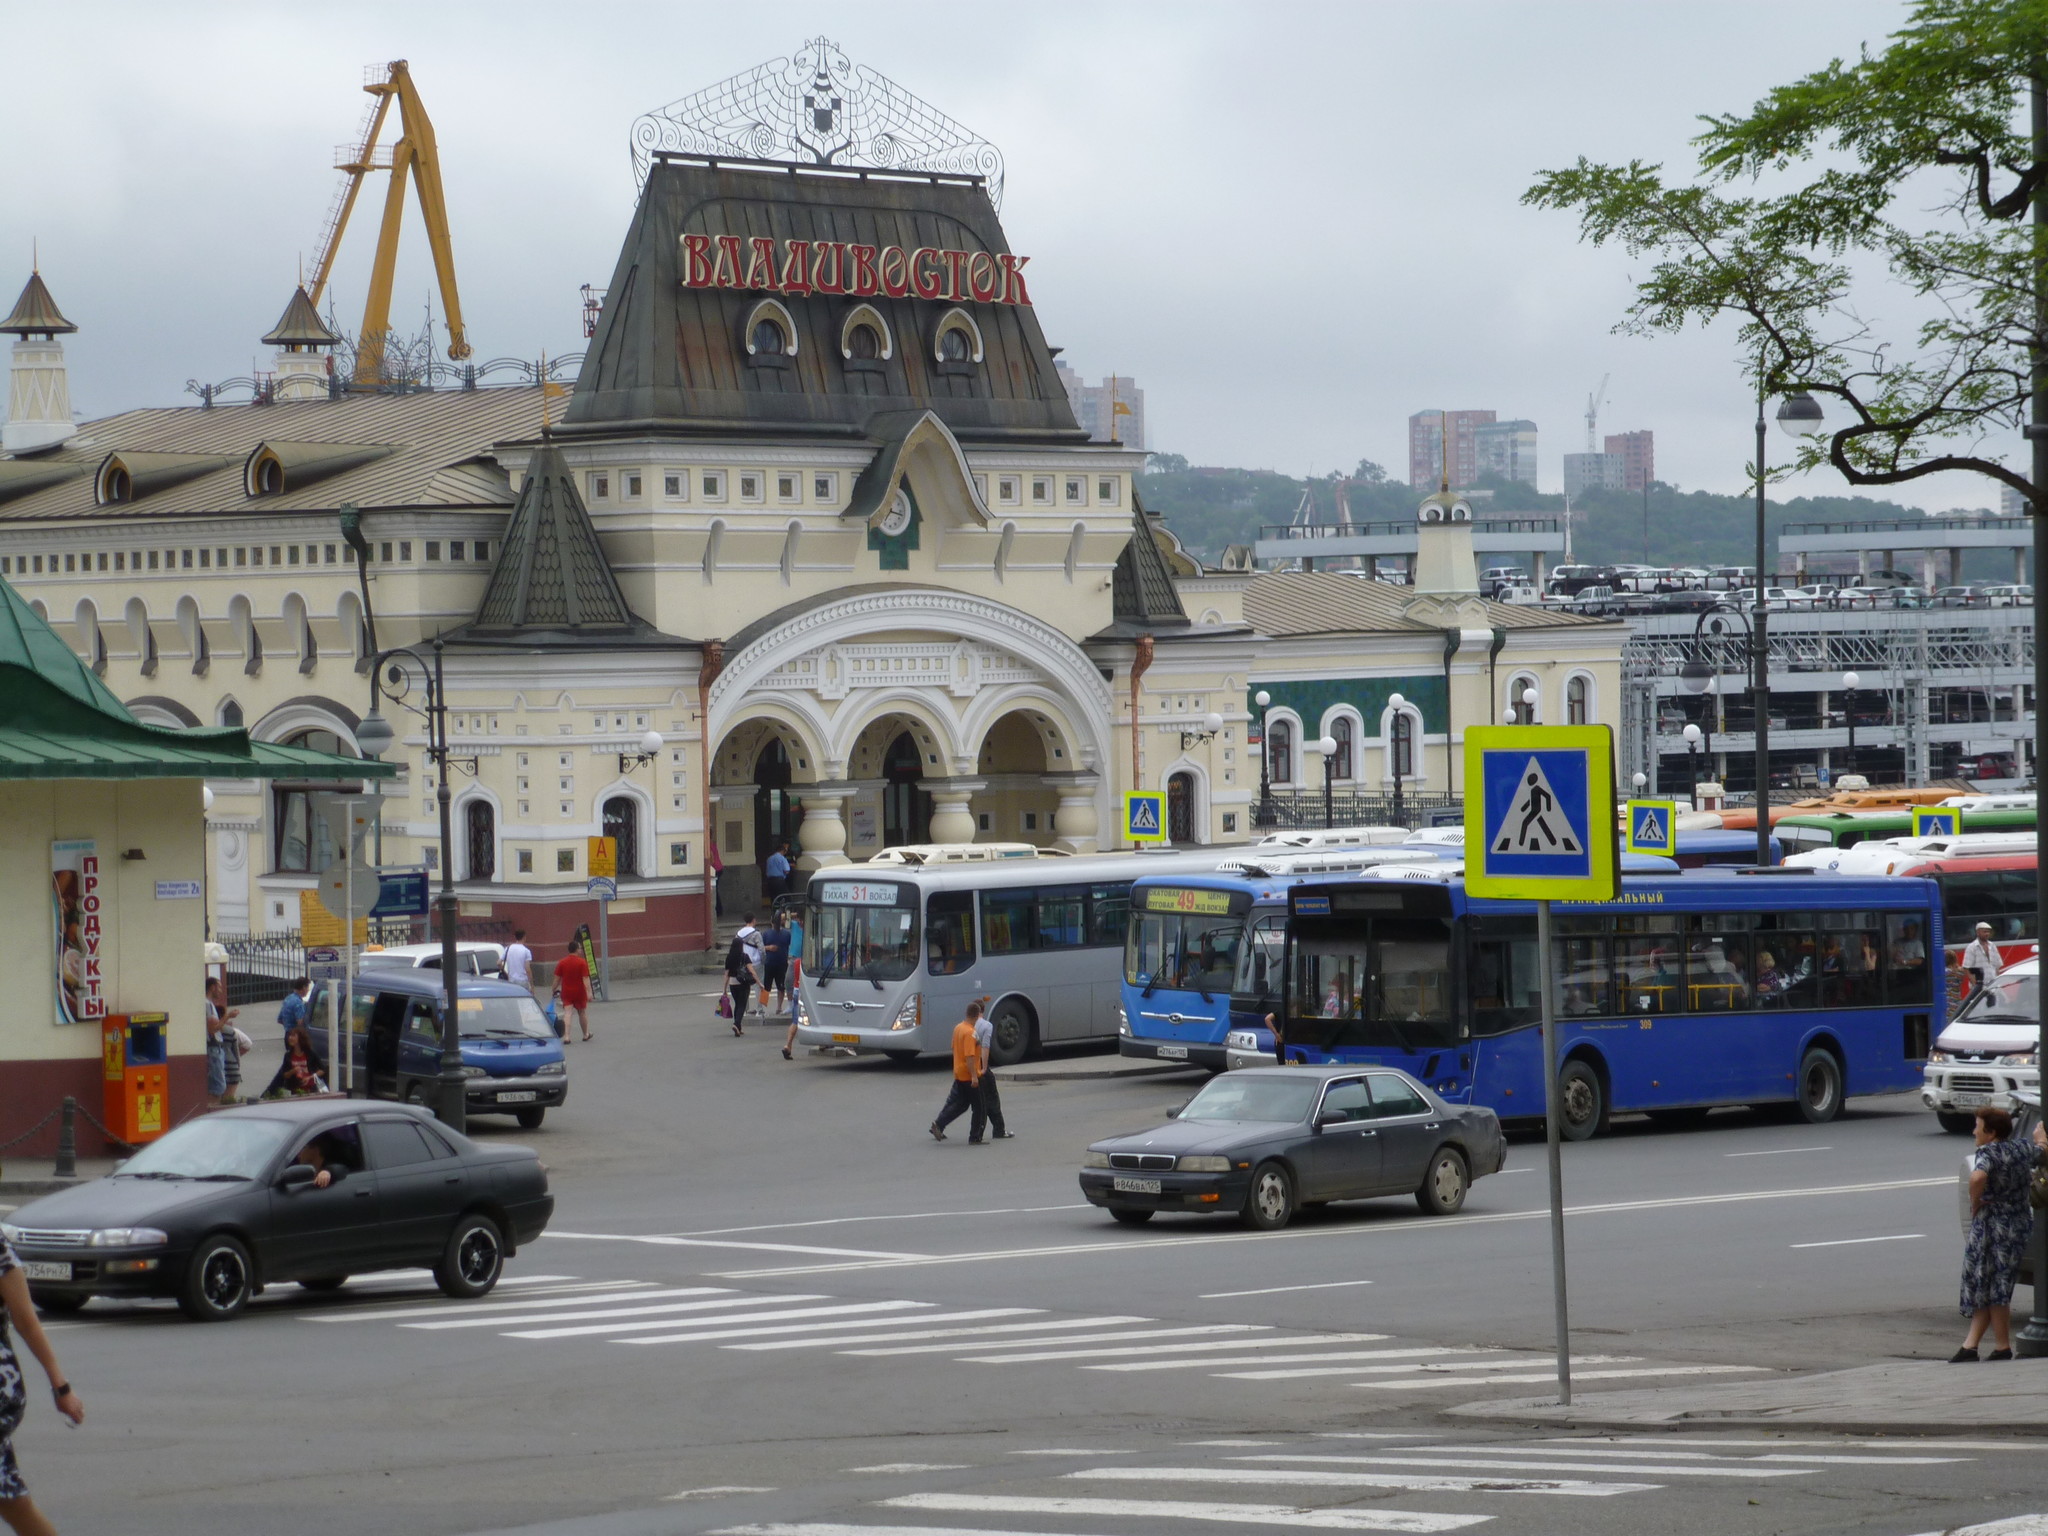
1145,816
1539,812
1651,827
1937,821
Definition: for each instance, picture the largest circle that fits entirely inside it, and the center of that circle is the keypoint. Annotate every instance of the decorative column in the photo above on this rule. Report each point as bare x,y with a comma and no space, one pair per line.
821,839
1076,824
952,814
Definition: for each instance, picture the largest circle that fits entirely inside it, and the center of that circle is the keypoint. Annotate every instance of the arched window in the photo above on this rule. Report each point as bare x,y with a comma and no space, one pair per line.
480,823
300,840
1280,751
864,342
231,715
1520,711
1340,760
1577,702
1404,744
622,821
768,338
953,345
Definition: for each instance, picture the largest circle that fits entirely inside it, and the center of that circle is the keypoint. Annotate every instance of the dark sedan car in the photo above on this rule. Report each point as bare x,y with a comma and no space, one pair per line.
307,1190
1265,1141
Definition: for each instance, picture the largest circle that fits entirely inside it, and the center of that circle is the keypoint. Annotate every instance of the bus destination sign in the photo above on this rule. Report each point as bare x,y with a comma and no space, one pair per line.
857,893
1172,898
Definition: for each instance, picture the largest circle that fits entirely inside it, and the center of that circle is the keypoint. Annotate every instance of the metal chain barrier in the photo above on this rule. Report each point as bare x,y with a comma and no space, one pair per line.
24,1136
117,1141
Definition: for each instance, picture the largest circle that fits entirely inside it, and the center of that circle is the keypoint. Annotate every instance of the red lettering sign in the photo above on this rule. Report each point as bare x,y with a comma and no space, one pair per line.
831,266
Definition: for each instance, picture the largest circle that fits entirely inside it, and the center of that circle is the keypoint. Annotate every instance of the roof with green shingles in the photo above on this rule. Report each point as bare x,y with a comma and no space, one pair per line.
59,721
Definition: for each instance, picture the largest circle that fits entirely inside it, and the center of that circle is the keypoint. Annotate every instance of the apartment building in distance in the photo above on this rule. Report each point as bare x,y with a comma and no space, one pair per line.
1426,446
1096,407
1638,454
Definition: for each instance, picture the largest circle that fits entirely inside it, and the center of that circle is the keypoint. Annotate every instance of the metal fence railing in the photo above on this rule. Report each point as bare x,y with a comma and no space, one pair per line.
262,965
1299,810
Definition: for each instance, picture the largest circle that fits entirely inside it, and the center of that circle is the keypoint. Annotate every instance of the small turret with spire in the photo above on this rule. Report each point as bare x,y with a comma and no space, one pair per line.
38,389
301,338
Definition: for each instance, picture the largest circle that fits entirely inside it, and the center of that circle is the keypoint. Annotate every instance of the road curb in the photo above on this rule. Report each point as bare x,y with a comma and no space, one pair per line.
1692,1424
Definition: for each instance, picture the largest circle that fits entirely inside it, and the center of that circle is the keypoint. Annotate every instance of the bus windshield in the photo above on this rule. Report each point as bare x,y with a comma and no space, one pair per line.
863,928
1382,983
1183,938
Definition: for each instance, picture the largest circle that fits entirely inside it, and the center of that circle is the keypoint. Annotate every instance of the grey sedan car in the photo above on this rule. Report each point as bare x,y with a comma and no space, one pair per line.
1264,1142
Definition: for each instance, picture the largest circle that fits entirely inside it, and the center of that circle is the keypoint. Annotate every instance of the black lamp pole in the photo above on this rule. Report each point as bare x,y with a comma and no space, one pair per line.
1265,816
1760,650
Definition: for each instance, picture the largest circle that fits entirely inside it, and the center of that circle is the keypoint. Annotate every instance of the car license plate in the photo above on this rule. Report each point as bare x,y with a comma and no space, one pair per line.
846,1039
1173,1053
523,1096
1135,1186
45,1271
1969,1100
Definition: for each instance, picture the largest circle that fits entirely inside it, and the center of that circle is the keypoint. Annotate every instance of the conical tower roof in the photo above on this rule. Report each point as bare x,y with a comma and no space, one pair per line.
551,573
301,325
36,313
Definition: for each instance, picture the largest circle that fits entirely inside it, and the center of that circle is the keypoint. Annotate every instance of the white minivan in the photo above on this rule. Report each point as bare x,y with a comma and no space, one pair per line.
471,957
1990,1051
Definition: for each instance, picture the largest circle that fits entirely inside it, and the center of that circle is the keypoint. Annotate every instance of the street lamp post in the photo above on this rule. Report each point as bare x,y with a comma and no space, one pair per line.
1394,702
1325,747
1798,413
1263,700
1692,748
400,668
1849,683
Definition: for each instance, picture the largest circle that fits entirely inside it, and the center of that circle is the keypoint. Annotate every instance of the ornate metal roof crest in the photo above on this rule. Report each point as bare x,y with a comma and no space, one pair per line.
817,108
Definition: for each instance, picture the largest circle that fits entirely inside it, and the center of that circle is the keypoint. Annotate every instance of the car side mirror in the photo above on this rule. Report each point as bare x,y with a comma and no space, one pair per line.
1331,1117
1174,1113
297,1176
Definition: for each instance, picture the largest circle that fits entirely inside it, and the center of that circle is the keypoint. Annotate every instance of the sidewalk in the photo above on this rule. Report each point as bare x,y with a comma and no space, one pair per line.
1908,1397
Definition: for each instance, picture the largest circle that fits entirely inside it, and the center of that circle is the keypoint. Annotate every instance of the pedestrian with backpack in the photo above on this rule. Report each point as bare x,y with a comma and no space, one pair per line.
742,973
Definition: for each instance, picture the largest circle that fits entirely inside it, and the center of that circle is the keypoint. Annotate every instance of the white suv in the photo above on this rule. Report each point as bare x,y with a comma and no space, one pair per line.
1990,1051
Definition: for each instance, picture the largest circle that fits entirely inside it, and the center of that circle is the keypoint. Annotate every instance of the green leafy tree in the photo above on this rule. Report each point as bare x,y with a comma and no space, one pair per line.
1911,171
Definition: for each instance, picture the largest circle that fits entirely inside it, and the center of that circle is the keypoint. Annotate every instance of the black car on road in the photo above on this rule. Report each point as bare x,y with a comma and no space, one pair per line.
1265,1141
309,1190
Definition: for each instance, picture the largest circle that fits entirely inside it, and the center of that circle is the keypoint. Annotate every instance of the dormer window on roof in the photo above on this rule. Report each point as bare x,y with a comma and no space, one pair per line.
865,340
132,476
770,335
275,467
956,344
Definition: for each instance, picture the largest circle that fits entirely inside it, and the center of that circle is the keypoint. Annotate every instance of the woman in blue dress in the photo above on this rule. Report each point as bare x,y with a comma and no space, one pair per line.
16,1307
2001,1222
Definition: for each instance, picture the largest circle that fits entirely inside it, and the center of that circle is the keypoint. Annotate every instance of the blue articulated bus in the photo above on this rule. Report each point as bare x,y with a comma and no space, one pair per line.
1202,950
1702,846
1689,990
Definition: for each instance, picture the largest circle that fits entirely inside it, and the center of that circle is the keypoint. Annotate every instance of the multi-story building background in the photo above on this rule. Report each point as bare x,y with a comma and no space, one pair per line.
1112,411
1426,447
1638,454
1506,449
1602,471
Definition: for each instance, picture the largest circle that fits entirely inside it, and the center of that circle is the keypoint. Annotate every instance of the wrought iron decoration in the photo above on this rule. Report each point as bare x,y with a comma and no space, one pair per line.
817,108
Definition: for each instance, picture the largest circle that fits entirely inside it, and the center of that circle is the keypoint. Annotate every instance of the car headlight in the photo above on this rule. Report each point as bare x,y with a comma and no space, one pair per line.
1243,1039
551,1069
1203,1164
1095,1160
469,1071
911,1013
1123,1020
1938,1057
2020,1059
127,1237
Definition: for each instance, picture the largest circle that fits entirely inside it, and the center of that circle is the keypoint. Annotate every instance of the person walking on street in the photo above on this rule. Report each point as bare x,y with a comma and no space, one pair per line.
775,965
294,1009
775,875
1980,958
966,1090
988,1107
2000,1225
572,986
796,980
218,1016
742,973
17,1308
519,961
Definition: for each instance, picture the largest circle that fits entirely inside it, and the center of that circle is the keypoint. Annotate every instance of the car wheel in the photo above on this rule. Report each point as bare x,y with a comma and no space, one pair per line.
1820,1087
901,1058
1130,1215
1013,1031
324,1283
57,1302
530,1119
1270,1205
1957,1125
1581,1102
217,1281
1444,1187
473,1260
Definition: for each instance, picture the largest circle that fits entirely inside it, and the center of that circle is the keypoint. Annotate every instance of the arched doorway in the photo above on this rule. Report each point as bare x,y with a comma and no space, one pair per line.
906,808
777,813
1180,808
1017,802
622,822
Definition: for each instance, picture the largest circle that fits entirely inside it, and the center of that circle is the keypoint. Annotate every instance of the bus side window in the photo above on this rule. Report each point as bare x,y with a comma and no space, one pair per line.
1062,917
949,932
1906,967
1258,963
2017,888
1109,909
1584,979
1968,899
1006,921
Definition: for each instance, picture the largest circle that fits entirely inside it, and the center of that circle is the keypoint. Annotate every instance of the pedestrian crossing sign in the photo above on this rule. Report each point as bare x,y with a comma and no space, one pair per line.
1539,812
1144,816
1937,821
1652,827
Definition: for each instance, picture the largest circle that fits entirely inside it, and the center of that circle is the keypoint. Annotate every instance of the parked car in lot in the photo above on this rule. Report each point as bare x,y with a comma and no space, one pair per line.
1990,1051
1263,1142
1520,594
233,1201
2007,595
1568,580
1496,577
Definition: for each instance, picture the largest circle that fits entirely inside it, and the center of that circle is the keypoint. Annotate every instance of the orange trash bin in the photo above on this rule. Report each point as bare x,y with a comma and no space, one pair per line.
137,1064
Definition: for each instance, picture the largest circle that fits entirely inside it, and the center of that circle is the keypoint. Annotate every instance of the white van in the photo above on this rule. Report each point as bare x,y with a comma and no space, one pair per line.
471,958
1990,1051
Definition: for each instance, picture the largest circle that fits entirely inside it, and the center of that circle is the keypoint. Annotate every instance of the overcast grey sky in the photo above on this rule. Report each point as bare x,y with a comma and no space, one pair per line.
1294,224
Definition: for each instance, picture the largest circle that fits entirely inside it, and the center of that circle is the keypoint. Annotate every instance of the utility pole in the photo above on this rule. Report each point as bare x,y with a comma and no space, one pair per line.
1760,646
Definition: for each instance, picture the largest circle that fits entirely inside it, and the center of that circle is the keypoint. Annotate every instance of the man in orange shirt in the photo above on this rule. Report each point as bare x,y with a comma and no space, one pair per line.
966,1090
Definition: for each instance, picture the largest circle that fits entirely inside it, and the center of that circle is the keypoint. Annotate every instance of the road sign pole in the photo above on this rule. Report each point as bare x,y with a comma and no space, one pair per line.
1546,980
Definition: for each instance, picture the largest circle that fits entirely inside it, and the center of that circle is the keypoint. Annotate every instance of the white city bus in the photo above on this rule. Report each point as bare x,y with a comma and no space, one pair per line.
895,951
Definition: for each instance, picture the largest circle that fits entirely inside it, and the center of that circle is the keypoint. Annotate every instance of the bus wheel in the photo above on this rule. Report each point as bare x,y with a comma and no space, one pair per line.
1957,1125
1581,1102
1011,1024
1820,1087
1270,1205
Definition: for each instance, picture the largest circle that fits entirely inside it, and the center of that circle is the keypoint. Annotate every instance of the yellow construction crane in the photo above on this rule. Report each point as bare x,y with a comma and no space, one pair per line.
414,154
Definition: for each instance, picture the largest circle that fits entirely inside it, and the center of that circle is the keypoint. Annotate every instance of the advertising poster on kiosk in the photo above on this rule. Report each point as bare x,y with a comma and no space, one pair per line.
79,930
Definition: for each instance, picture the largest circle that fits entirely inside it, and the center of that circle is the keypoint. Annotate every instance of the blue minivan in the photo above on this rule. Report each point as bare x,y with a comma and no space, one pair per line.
510,1054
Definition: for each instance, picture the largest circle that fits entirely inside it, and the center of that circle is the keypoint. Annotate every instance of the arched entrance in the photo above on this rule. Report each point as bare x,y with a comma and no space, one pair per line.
1017,801
622,822
1180,808
906,808
777,812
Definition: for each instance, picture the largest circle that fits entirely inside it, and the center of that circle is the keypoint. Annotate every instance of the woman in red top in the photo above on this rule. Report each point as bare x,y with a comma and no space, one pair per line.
572,986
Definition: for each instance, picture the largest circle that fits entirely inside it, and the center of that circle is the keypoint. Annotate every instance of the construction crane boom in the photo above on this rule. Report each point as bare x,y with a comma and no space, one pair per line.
415,155
1593,403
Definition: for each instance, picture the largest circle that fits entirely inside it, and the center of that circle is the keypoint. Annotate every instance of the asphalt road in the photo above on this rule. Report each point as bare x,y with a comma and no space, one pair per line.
770,1303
